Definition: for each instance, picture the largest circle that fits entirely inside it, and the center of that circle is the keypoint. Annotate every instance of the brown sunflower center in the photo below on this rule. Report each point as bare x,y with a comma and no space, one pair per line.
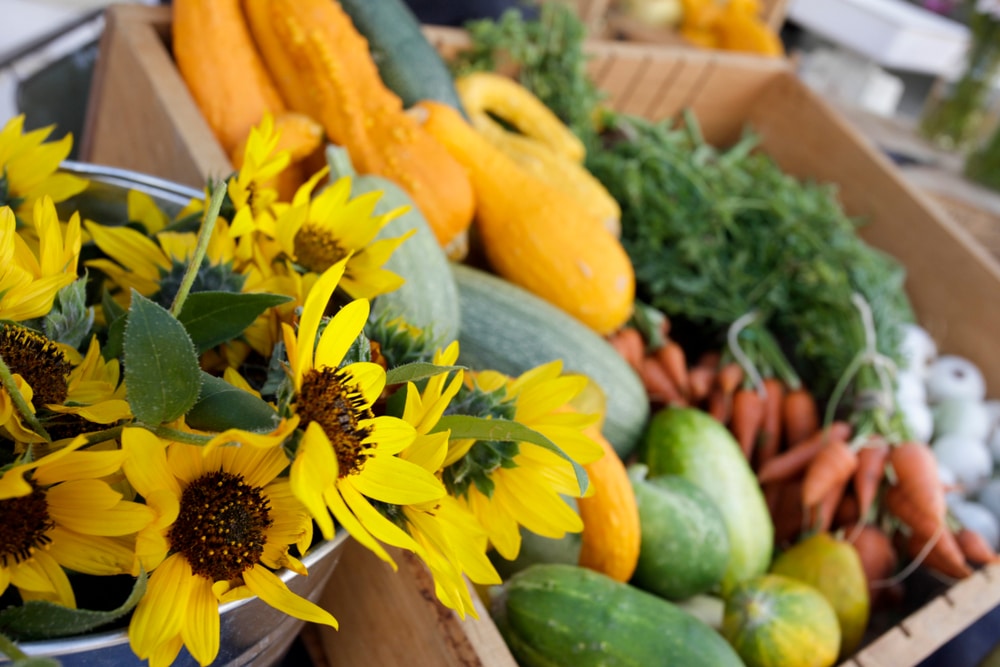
327,399
37,359
220,526
316,249
24,526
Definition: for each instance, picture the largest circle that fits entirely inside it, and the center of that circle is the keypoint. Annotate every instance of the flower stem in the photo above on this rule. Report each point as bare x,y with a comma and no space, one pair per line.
10,649
21,405
204,234
176,435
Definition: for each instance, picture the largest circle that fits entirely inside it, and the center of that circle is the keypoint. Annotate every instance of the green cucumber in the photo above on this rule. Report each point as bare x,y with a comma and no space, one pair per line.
692,444
506,328
408,63
570,616
429,298
685,545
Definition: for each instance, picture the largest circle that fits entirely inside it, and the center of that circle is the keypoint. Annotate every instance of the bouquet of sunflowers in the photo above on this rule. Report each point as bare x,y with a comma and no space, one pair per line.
186,400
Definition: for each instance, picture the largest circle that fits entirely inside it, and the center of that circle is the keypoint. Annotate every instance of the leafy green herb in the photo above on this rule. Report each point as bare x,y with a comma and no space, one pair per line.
716,234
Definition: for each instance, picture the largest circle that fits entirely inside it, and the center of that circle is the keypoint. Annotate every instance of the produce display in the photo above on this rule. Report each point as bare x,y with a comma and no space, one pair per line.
666,405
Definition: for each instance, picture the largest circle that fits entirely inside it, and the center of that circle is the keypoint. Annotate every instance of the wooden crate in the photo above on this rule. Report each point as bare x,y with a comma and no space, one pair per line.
140,116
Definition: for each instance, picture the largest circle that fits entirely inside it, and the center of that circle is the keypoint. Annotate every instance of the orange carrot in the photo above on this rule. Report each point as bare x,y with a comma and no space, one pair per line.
628,342
720,399
769,441
831,468
847,511
658,384
975,547
730,377
795,460
788,513
825,507
671,356
878,556
945,556
870,473
746,419
800,415
917,498
700,380
720,405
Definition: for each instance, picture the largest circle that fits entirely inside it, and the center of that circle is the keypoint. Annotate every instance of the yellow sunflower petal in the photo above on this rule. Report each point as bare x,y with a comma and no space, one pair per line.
391,434
352,525
273,591
146,465
312,314
161,611
393,480
79,465
91,507
99,556
375,523
165,654
44,566
200,629
341,332
313,471
368,378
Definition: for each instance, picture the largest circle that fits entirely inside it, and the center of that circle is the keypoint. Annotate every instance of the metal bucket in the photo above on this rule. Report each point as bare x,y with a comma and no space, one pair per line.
252,632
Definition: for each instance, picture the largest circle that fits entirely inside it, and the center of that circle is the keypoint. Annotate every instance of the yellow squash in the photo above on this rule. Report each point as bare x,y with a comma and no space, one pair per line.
535,235
218,61
543,145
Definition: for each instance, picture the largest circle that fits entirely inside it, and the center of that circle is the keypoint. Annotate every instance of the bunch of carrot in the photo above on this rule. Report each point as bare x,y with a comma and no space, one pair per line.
886,498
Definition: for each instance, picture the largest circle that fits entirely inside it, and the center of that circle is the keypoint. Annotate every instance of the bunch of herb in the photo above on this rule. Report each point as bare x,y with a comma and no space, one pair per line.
717,234
546,54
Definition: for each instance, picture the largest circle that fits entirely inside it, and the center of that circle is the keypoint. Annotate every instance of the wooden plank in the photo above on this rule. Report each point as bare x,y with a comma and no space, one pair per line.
142,116
393,619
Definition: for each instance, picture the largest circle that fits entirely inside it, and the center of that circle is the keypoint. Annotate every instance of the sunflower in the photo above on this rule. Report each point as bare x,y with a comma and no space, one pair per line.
346,462
28,167
511,484
57,513
251,189
154,265
31,274
68,392
454,542
225,520
317,232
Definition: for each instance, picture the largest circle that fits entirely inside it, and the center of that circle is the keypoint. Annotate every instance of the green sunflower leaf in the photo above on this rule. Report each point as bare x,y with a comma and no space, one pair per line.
221,406
39,619
162,376
212,318
417,370
464,427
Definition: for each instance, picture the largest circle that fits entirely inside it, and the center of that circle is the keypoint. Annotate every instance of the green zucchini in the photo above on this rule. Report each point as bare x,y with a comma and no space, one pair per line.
694,445
685,546
408,63
506,328
429,298
569,616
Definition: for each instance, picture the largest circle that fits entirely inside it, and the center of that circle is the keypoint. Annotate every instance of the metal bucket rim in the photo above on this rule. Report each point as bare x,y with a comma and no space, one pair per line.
151,185
97,640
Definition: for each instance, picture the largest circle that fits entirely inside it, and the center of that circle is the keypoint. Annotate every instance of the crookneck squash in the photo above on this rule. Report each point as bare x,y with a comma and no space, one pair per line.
540,142
322,66
218,61
536,235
